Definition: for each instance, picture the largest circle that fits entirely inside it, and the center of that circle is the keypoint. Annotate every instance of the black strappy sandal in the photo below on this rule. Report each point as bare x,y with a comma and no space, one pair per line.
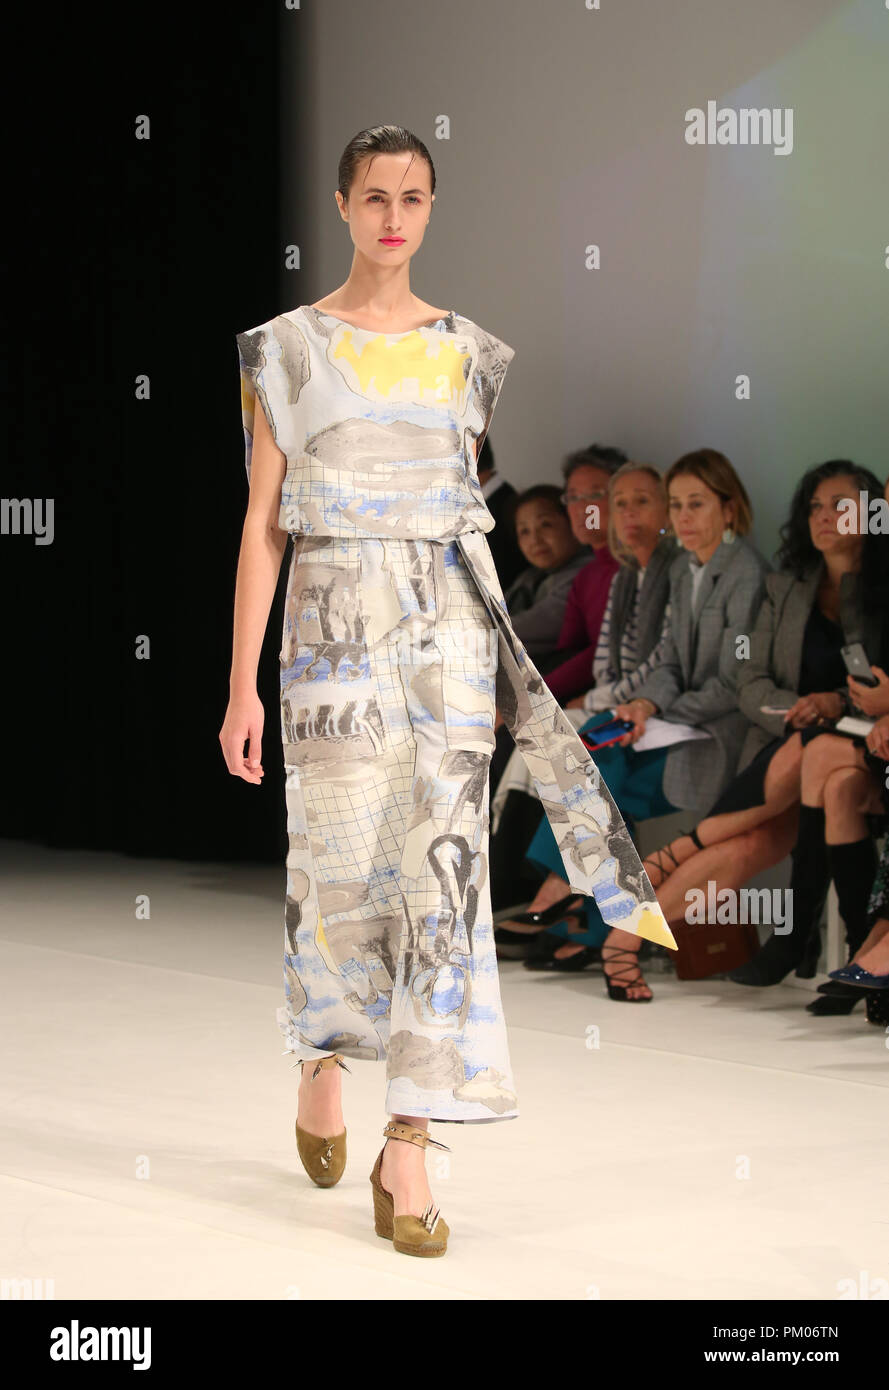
665,849
618,991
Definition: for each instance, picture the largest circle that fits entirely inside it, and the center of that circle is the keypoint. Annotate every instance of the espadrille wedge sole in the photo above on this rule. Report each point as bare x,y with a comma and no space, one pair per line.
425,1235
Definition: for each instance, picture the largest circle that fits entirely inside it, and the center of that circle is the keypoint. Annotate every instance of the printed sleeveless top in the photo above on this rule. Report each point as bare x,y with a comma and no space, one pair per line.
380,430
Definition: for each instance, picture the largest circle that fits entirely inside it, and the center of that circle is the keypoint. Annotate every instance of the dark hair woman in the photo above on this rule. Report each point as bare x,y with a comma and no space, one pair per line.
536,599
374,405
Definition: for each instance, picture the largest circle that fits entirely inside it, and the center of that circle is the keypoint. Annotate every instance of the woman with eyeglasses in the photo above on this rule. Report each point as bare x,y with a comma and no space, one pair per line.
587,476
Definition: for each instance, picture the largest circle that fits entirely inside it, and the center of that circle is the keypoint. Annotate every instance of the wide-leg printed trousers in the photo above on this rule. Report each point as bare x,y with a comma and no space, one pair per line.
388,670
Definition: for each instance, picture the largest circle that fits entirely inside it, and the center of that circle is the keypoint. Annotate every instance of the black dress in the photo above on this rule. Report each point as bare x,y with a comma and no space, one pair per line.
822,668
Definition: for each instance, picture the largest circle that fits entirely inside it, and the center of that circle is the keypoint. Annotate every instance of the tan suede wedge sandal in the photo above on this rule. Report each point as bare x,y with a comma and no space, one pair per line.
323,1159
411,1235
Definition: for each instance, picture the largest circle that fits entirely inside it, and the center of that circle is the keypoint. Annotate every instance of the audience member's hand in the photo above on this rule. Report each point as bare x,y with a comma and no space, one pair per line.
576,703
872,700
814,709
498,721
636,713
878,738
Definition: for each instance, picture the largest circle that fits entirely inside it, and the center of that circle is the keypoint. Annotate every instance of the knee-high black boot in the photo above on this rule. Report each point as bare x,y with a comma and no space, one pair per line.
809,882
853,869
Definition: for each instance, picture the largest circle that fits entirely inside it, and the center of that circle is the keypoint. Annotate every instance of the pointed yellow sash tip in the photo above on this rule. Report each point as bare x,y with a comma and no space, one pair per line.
652,926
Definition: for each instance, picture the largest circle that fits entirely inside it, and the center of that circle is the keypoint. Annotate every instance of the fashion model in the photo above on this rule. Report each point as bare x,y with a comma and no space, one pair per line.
397,652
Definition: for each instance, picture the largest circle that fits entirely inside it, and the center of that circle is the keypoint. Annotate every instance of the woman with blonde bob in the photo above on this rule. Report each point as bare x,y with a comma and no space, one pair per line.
636,619
716,587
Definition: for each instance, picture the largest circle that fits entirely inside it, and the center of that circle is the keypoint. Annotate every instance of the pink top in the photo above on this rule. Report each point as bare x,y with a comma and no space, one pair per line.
583,618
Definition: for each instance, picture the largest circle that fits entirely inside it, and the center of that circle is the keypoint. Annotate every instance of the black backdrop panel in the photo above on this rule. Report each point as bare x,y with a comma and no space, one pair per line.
126,257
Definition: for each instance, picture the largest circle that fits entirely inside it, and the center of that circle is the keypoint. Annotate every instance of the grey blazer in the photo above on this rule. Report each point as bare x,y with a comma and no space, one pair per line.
539,626
771,676
697,680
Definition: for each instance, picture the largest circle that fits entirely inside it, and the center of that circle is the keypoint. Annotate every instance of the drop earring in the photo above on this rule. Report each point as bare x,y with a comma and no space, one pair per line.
728,535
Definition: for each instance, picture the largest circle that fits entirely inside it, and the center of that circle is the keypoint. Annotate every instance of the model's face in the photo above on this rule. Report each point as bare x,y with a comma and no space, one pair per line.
698,514
389,205
586,500
825,515
544,534
638,511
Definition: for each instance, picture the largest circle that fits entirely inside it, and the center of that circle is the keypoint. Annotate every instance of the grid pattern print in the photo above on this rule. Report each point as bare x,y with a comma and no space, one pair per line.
389,943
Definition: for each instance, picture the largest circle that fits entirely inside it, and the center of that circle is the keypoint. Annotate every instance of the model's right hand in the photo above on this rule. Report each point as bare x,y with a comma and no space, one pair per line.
244,719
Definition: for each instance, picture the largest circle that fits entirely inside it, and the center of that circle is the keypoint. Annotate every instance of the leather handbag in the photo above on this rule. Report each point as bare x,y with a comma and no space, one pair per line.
707,949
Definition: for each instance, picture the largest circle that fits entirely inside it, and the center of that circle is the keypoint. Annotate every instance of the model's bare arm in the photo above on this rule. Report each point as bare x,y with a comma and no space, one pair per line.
259,564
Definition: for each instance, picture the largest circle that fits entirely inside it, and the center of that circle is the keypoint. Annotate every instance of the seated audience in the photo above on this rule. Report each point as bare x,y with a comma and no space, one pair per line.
587,474
631,640
716,588
814,606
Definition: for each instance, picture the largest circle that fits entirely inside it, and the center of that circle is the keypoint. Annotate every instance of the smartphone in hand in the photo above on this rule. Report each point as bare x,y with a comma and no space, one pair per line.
606,734
858,665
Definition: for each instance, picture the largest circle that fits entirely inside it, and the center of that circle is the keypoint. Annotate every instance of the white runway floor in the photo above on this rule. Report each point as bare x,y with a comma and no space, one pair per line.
148,1147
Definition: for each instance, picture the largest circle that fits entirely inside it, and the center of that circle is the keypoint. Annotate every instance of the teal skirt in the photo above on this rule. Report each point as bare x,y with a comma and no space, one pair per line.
636,781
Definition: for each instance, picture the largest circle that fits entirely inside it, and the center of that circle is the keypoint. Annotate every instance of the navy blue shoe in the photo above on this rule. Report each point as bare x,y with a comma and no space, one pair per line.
856,975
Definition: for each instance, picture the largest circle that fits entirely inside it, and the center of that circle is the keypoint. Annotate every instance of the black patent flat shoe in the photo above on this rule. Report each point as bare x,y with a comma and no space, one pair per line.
548,915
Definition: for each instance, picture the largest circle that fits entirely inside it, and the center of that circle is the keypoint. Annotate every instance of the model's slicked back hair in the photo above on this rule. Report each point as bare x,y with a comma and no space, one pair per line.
379,139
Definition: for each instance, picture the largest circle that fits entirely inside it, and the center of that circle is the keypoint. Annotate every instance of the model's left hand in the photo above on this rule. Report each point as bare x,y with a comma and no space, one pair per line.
872,700
814,709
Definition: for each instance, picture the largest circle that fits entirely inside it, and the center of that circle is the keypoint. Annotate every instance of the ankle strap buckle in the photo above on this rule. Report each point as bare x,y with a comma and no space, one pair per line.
395,1129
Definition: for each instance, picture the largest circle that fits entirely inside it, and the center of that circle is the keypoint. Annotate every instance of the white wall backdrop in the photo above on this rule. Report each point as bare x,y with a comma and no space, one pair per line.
555,127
